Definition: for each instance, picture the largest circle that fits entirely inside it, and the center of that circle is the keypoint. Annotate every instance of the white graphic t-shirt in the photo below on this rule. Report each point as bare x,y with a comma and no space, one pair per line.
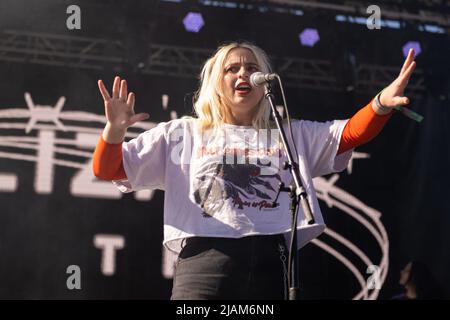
223,182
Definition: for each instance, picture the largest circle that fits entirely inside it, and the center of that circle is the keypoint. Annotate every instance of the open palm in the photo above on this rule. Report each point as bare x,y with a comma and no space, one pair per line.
119,109
392,95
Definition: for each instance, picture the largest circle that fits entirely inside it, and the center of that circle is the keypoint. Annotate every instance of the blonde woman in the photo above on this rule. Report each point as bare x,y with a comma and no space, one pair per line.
220,172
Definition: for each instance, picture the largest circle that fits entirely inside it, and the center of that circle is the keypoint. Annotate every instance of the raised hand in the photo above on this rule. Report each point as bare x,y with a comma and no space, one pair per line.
119,109
392,95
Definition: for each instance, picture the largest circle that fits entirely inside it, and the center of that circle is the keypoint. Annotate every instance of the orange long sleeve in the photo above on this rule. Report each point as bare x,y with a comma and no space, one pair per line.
108,163
361,128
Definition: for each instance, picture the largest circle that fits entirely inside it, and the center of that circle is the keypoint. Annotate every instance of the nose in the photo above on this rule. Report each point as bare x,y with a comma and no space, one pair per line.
243,73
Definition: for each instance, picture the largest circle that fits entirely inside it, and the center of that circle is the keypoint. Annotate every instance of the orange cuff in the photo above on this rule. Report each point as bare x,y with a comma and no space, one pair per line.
361,128
107,162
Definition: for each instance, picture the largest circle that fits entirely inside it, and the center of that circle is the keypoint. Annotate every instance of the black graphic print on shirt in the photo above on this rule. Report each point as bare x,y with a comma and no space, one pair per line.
219,184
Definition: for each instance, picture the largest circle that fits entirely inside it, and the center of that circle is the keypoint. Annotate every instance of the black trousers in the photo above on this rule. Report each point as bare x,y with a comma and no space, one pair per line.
250,268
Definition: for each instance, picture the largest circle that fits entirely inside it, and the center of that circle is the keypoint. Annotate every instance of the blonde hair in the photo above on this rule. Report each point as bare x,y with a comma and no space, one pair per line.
209,102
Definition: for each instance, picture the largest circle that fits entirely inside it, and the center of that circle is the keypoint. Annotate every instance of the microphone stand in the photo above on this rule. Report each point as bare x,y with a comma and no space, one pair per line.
297,194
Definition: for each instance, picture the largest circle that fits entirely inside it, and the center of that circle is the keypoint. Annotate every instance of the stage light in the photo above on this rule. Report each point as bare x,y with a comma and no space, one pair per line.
309,37
193,22
412,44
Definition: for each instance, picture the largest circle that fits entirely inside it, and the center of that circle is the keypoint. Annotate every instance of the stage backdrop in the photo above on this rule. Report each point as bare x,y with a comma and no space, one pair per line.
65,234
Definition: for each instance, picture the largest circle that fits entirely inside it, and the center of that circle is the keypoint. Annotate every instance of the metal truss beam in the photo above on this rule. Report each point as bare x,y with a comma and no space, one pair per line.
59,50
428,12
177,61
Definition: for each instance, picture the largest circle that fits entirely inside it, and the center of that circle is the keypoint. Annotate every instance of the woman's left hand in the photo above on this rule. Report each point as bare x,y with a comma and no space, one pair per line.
392,95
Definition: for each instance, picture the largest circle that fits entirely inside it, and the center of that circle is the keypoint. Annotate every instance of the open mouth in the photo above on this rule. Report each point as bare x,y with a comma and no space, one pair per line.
243,88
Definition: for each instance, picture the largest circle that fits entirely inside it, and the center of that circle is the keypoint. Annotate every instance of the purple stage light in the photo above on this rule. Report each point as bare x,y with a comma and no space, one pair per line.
412,44
193,22
309,37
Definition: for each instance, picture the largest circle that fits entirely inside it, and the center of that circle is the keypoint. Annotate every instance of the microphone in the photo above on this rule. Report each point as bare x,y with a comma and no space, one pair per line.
259,78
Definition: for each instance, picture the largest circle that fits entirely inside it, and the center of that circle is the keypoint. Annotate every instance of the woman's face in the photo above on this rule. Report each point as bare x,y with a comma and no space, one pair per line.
241,98
405,274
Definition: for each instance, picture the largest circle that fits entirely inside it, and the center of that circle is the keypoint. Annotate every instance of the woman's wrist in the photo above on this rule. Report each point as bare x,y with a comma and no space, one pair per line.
113,135
378,107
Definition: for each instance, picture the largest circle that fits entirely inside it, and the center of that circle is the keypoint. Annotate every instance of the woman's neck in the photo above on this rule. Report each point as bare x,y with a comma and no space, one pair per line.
238,120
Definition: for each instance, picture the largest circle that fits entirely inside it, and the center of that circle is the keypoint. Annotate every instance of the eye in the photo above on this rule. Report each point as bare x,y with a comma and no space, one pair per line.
252,69
233,69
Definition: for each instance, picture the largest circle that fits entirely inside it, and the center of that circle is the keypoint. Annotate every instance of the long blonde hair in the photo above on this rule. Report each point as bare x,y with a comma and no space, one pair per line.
209,102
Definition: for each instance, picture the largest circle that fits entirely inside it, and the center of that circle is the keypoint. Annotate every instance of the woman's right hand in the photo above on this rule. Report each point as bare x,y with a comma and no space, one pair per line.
119,109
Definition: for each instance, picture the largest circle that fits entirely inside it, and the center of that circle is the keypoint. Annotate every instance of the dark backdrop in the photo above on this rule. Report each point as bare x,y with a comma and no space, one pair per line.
405,178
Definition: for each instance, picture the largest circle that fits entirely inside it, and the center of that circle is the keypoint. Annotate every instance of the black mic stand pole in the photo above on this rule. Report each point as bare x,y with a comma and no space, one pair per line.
297,194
